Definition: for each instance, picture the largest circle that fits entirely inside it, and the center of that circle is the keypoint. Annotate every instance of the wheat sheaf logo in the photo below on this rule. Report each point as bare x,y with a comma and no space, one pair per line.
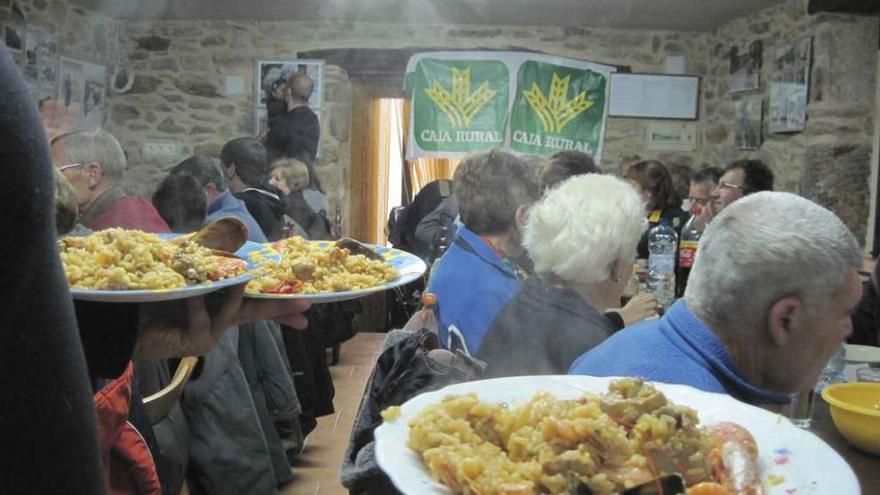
460,105
555,111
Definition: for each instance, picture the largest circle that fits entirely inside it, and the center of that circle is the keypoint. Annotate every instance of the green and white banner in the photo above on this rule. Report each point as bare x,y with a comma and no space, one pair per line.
523,102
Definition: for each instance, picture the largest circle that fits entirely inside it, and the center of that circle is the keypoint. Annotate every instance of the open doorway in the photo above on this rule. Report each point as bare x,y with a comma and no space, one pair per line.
381,177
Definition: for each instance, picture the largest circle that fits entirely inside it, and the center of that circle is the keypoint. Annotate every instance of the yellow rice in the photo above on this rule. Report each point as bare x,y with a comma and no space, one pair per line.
549,445
120,259
313,269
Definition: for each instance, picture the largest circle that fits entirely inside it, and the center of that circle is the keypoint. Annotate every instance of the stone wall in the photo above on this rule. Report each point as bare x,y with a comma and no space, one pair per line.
82,33
181,67
829,161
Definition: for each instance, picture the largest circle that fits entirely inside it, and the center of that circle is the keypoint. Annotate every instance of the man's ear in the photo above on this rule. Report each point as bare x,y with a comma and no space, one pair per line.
94,172
784,319
621,269
520,217
229,169
211,191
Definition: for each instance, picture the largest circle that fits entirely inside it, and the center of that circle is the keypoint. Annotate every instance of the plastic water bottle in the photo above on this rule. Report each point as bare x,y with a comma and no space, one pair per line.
662,244
833,372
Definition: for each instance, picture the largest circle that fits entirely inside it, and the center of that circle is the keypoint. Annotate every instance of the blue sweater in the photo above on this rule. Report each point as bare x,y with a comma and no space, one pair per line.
677,348
227,205
472,284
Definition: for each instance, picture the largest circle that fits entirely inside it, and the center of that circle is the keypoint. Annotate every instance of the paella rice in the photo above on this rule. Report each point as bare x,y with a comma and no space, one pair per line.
594,444
308,268
120,259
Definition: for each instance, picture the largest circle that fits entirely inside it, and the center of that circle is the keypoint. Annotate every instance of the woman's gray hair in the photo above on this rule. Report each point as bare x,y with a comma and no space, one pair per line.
95,145
490,186
765,247
582,227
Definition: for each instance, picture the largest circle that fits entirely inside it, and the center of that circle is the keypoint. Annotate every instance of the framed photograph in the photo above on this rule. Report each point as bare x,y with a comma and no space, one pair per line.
31,47
747,129
14,37
47,61
81,91
47,45
271,74
789,89
745,68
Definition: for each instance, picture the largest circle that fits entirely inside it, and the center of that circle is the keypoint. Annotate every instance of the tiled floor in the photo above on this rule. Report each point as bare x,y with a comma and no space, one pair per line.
317,469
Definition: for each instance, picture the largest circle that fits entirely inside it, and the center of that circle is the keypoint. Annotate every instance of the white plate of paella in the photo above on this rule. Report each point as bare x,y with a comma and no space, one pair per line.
594,435
130,266
330,271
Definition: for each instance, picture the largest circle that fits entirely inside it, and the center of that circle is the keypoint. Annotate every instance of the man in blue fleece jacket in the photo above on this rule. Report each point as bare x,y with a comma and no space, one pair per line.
768,303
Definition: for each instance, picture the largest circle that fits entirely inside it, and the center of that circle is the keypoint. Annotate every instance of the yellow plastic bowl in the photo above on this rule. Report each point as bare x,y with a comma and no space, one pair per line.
855,409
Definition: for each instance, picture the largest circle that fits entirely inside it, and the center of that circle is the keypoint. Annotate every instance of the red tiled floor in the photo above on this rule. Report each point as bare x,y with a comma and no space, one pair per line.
316,471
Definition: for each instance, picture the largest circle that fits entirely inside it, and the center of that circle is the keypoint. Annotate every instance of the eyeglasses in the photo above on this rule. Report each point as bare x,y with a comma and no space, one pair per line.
729,185
71,165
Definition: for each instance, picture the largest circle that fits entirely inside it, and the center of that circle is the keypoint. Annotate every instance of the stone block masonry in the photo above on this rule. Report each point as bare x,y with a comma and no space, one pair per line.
181,66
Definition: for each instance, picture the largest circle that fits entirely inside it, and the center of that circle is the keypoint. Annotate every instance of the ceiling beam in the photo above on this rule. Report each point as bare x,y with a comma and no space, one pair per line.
388,65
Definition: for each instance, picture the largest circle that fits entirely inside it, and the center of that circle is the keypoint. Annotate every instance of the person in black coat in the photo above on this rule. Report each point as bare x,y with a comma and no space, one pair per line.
295,132
653,181
582,237
246,169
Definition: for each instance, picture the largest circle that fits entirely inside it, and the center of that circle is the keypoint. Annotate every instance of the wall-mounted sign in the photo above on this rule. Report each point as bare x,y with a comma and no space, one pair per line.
527,103
671,136
655,96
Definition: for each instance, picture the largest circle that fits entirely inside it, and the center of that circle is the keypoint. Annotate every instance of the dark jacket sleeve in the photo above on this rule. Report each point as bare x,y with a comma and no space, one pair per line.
108,332
865,319
295,134
48,423
276,138
615,319
305,132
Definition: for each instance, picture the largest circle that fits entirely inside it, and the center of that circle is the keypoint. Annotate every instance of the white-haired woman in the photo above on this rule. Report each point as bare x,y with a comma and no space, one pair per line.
582,238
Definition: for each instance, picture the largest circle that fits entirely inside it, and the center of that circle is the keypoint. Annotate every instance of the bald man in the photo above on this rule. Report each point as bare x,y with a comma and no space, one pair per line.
295,133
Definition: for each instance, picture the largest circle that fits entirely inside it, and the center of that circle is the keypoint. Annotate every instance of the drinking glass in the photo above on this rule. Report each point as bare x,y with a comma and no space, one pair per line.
800,409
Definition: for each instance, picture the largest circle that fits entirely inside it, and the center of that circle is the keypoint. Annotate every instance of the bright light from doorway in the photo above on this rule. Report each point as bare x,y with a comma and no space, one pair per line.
395,157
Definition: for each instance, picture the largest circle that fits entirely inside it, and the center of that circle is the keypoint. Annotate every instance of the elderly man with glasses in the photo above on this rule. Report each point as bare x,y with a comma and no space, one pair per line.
94,164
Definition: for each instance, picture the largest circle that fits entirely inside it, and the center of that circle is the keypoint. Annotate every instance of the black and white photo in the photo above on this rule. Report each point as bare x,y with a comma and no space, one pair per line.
270,78
31,47
747,130
789,88
81,91
745,67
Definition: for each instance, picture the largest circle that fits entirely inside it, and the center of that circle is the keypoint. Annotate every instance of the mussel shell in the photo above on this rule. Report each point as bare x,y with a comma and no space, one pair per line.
355,247
673,484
